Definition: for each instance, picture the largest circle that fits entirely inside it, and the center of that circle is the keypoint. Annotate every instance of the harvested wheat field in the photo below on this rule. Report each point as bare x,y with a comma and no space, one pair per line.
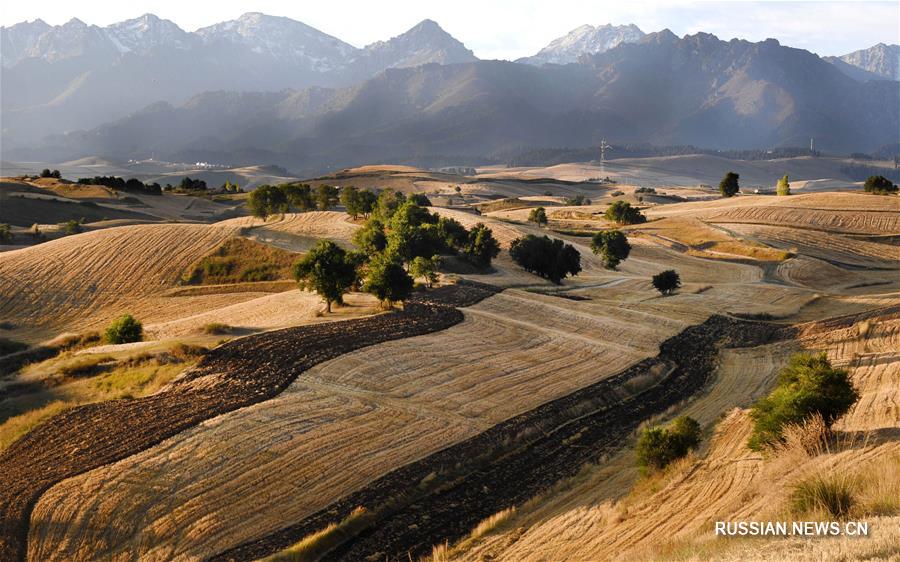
670,516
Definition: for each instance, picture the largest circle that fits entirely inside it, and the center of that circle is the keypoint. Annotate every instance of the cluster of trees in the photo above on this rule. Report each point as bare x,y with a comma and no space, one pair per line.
578,201
229,187
658,446
267,200
46,173
729,186
119,184
546,257
879,185
621,212
808,386
400,240
188,184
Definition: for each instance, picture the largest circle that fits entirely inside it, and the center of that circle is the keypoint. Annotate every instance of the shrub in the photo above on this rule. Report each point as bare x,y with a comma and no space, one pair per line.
832,493
578,201
549,258
621,212
327,270
729,184
426,268
5,233
612,246
298,196
645,190
538,216
86,366
667,281
124,329
370,239
216,329
187,184
879,185
617,193
809,385
71,226
783,187
659,446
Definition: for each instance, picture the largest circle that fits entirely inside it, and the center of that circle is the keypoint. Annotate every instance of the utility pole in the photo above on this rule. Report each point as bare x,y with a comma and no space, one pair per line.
603,148
811,150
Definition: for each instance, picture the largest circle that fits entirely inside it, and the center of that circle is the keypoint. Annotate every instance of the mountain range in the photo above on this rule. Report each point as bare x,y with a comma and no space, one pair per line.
271,89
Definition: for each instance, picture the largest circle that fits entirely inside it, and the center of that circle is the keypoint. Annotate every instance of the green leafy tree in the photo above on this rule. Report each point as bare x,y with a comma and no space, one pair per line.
784,186
124,329
326,197
267,200
367,200
350,199
46,173
298,196
370,239
578,201
327,270
425,268
547,257
454,234
5,233
667,281
612,246
621,212
413,232
809,385
879,185
538,216
658,446
420,199
481,246
387,280
729,187
388,201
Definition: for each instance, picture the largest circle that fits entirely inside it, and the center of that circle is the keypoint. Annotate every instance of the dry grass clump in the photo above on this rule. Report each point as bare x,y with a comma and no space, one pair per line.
87,366
216,329
240,260
833,494
317,545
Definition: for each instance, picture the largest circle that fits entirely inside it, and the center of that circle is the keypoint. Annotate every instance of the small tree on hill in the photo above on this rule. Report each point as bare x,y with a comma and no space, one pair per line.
326,197
328,270
46,173
388,281
5,233
546,257
783,187
667,281
612,246
267,200
879,185
357,201
659,446
729,184
538,216
621,212
481,246
420,199
425,268
124,329
809,385
71,226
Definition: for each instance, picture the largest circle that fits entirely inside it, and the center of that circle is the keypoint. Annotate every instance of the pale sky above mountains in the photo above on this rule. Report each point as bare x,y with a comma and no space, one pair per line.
508,29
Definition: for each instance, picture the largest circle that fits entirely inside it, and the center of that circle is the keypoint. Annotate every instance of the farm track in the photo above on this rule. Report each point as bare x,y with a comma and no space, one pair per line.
234,375
521,457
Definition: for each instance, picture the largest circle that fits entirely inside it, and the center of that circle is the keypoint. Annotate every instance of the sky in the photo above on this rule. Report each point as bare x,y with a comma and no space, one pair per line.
508,29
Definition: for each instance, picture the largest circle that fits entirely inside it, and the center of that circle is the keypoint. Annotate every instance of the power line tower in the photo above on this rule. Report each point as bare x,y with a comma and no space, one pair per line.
603,148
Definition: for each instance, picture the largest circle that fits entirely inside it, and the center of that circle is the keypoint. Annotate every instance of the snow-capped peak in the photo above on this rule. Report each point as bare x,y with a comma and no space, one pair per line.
585,40
145,32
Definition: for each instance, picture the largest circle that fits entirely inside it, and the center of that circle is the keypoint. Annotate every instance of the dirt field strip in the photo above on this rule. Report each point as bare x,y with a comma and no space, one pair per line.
231,376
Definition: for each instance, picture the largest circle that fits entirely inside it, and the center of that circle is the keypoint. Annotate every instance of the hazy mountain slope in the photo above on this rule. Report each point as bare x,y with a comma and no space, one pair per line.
584,40
880,59
855,72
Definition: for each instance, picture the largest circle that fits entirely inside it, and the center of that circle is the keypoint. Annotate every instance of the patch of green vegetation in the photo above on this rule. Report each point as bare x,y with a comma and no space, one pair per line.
240,260
658,446
124,329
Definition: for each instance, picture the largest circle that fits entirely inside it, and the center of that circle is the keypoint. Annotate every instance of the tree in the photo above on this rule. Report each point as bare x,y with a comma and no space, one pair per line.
187,184
538,216
621,212
55,174
729,184
783,187
453,233
879,185
420,199
578,200
658,446
387,202
426,268
667,281
549,258
267,200
298,196
370,239
326,197
387,280
327,270
124,329
413,232
5,233
809,385
612,246
481,246
351,200
46,173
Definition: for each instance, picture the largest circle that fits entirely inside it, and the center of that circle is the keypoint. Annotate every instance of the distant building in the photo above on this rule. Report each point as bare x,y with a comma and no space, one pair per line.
458,170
